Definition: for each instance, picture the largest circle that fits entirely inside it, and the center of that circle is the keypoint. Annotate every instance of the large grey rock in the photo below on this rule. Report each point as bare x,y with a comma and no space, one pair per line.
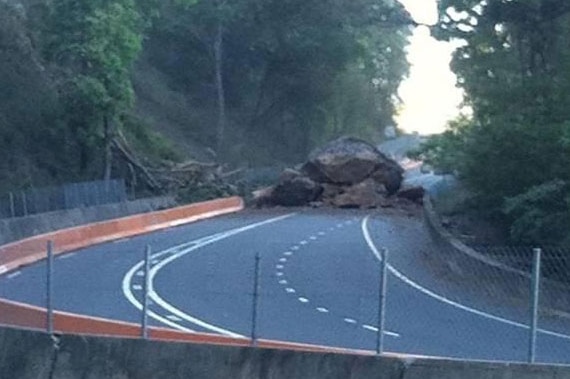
366,194
415,194
350,161
294,189
390,174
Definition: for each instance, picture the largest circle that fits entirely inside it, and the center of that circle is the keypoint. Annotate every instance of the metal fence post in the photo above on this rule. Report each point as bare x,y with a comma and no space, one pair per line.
12,205
535,293
255,300
382,302
24,203
146,285
49,288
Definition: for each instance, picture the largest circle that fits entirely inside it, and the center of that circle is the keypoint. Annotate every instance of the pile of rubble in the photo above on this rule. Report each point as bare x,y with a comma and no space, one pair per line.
346,173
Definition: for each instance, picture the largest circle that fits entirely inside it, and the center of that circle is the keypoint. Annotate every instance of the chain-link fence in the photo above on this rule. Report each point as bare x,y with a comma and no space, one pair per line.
68,196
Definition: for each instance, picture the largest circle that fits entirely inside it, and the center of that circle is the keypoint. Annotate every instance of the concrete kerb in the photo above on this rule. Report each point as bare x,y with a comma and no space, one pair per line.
30,250
433,222
461,259
32,355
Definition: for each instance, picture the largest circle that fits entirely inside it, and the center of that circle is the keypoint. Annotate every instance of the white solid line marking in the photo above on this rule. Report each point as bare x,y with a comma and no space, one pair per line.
279,273
303,300
303,242
283,260
14,274
279,267
290,290
350,320
184,249
441,298
288,253
322,310
283,282
137,287
174,318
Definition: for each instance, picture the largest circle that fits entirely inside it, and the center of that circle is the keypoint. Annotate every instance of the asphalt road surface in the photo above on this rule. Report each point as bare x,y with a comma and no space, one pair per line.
318,283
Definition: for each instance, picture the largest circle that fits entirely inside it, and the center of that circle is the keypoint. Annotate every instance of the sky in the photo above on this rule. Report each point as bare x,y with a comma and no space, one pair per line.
429,93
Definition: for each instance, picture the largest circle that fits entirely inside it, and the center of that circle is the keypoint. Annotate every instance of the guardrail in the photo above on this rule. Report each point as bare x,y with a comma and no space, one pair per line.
33,249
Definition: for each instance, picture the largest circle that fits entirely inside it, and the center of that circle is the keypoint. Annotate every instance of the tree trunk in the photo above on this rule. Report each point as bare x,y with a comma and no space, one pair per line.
218,56
108,136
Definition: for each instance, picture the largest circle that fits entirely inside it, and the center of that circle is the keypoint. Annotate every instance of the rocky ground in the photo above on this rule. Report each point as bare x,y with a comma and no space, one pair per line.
345,173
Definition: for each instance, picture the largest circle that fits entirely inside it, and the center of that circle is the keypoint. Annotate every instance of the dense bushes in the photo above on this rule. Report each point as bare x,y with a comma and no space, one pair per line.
514,150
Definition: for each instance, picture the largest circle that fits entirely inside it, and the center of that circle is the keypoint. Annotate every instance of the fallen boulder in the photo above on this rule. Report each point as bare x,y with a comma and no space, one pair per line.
366,194
345,173
415,194
346,160
295,190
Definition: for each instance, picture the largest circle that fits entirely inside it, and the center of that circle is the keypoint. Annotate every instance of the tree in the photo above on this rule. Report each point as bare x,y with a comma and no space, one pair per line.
514,67
95,44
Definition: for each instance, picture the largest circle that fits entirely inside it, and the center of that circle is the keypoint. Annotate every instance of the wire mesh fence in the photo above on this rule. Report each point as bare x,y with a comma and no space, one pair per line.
68,196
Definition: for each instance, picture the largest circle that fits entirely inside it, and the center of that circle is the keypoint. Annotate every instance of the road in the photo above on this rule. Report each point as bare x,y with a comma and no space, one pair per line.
319,275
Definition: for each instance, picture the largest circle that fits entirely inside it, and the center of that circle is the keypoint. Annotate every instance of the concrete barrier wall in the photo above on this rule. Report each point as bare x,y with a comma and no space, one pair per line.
29,250
14,229
26,355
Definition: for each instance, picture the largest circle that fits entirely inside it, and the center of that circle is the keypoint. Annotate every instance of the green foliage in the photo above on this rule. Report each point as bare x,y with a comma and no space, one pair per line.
94,45
541,214
148,142
297,72
514,65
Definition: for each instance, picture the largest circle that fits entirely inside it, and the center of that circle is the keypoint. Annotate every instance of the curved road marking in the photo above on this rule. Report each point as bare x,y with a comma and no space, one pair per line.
177,252
441,298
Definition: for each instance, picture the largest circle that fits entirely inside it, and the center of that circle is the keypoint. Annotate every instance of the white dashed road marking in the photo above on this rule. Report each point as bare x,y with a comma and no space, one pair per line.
14,274
181,250
283,282
65,256
287,253
137,287
303,300
290,290
350,320
322,310
303,242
